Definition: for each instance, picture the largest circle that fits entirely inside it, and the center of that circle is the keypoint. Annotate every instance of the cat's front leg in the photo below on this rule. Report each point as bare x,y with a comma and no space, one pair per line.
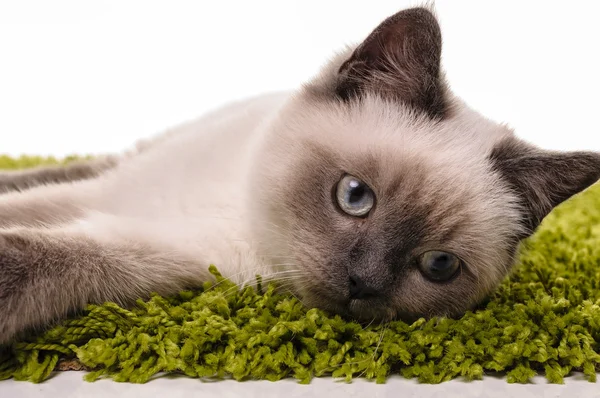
46,274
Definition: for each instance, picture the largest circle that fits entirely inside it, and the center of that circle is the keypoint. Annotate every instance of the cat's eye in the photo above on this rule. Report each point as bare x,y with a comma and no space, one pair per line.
439,266
354,196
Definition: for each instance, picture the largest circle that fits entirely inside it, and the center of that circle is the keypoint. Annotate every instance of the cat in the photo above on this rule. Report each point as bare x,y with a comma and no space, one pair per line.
371,191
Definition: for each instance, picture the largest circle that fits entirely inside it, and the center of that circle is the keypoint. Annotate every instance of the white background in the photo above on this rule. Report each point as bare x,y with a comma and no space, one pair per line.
94,76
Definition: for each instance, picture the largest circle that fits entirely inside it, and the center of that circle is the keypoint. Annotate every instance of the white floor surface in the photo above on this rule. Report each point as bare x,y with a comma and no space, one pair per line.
71,385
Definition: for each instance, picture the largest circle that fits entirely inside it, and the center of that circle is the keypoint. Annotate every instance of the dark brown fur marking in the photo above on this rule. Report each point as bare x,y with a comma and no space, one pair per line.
543,179
400,60
47,274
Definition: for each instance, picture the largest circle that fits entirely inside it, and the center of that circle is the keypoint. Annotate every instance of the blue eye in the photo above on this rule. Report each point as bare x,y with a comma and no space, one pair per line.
354,196
439,266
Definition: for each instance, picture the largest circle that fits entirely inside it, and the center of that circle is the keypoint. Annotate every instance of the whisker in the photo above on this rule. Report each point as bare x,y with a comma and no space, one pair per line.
366,359
369,324
385,328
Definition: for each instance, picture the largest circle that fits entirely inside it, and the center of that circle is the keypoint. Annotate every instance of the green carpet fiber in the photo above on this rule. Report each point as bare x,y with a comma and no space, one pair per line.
544,319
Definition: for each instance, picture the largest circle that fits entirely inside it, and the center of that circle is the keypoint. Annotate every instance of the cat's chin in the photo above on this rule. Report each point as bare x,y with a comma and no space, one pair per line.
362,311
371,311
366,311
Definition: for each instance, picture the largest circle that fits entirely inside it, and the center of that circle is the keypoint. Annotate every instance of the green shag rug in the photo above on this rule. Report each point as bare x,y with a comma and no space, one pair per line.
544,319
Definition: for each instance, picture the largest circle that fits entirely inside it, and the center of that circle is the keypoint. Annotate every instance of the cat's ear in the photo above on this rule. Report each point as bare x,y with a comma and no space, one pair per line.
400,60
543,179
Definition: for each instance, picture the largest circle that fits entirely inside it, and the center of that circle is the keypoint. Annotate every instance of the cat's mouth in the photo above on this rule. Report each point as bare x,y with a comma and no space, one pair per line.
363,310
371,310
335,299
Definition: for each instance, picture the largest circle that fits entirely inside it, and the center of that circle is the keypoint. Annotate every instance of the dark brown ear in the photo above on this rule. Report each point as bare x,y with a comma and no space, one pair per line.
543,179
399,60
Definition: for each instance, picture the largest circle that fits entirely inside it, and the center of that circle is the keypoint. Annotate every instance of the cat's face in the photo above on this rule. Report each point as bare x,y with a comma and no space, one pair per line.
391,198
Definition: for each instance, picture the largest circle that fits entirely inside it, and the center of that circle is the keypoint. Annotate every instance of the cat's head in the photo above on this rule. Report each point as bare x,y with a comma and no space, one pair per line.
388,195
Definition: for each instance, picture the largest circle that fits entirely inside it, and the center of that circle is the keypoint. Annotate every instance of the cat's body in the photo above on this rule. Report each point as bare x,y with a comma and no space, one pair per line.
371,191
180,199
188,190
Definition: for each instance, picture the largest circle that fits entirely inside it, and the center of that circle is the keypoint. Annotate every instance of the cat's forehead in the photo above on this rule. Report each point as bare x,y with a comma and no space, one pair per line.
384,128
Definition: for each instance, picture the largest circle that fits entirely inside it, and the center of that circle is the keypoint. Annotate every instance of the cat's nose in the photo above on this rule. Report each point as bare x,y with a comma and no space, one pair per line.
360,290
